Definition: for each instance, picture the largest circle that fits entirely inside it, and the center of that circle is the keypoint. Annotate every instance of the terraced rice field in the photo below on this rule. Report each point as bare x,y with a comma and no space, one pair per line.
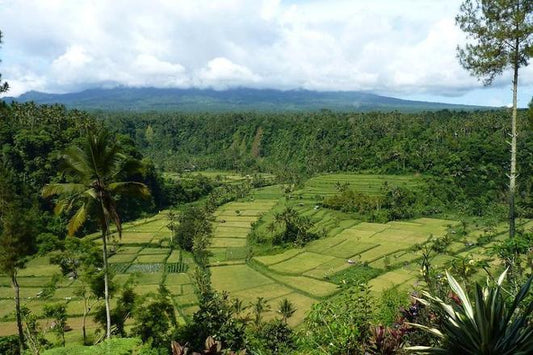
302,275
325,185
139,254
231,227
378,245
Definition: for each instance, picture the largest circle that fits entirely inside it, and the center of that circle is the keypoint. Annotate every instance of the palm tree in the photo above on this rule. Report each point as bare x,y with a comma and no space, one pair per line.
97,170
286,309
489,325
259,307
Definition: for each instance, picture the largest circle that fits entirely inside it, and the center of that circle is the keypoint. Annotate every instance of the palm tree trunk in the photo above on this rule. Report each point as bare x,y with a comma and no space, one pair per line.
106,286
512,175
16,287
84,320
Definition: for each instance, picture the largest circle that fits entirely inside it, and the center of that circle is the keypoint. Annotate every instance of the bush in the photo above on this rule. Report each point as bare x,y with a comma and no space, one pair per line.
115,346
9,345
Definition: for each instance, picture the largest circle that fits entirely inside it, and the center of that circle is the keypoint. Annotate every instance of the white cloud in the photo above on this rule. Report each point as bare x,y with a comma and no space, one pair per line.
400,47
221,73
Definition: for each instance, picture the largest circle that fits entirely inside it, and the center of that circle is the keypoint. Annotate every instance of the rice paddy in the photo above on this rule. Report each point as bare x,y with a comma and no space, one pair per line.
302,275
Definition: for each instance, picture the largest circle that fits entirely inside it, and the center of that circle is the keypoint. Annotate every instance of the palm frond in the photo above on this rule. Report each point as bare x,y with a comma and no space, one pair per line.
130,167
76,162
62,189
131,188
77,220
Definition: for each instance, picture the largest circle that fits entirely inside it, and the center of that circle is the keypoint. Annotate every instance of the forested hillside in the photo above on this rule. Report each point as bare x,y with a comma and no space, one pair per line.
463,154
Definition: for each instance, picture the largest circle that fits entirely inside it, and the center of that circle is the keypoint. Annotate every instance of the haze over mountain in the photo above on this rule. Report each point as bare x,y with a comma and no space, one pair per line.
238,99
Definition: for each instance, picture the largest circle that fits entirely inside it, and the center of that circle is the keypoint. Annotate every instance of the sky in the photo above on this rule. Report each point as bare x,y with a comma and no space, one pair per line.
399,48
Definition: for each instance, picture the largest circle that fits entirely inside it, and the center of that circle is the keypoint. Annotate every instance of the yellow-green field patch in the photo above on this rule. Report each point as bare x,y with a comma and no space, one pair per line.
301,263
188,288
129,250
41,270
37,281
148,278
122,258
144,289
308,285
391,278
228,242
177,279
185,299
273,259
237,277
135,238
235,224
229,218
374,227
268,291
231,233
327,269
301,303
146,259
174,257
154,251
349,248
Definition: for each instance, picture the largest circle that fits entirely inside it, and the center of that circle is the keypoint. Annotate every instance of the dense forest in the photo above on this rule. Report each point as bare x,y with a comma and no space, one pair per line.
463,155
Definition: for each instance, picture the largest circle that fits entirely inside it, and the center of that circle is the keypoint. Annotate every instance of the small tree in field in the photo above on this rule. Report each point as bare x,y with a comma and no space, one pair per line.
500,33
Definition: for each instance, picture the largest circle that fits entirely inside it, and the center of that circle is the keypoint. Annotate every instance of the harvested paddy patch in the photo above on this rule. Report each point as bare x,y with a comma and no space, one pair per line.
349,248
391,279
301,263
122,258
228,242
274,259
301,303
325,270
307,285
153,251
149,259
237,277
268,291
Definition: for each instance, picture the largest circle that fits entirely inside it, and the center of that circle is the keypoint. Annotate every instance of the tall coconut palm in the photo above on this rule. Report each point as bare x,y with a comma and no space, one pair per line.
96,172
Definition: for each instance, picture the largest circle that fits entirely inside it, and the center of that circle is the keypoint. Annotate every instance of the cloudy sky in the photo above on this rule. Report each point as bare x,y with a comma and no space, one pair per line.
401,48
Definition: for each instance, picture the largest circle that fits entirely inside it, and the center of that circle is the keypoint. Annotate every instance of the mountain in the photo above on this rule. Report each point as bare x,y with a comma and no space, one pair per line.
240,99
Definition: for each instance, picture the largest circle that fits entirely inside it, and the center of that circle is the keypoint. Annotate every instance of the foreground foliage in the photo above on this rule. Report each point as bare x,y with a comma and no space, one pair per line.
488,325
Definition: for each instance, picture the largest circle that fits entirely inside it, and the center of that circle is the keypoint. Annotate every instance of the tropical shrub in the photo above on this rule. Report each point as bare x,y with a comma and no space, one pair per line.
488,325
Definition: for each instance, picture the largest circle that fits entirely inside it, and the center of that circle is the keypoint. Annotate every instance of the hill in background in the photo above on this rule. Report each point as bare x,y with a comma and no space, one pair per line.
240,99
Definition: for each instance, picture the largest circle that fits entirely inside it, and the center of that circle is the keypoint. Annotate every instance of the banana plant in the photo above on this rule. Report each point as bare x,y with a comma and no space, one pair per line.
488,325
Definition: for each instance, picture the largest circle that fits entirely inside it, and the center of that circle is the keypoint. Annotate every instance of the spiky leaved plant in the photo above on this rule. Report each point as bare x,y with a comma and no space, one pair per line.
489,325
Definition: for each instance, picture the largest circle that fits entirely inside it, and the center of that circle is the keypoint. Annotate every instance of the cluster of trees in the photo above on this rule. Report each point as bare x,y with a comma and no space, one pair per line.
291,228
392,203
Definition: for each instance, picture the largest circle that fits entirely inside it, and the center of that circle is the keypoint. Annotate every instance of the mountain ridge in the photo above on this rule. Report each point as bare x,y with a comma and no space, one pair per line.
235,99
